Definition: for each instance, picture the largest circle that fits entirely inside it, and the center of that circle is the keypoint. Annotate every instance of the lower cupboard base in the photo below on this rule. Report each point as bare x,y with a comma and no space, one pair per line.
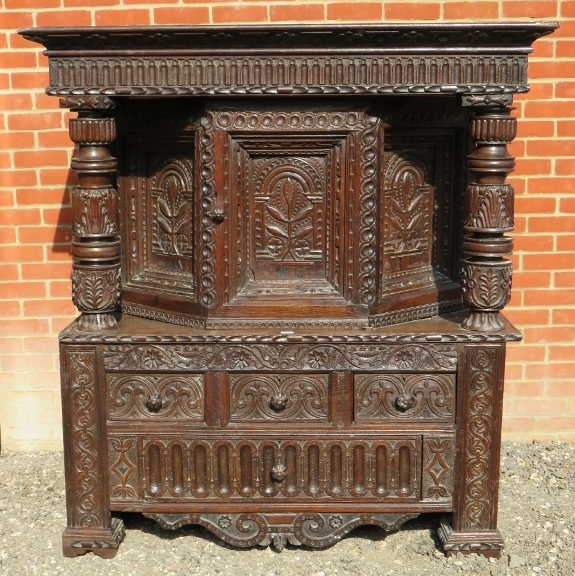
313,529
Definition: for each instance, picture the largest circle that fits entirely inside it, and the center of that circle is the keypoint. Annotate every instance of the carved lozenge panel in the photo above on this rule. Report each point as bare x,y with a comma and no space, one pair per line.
438,467
312,357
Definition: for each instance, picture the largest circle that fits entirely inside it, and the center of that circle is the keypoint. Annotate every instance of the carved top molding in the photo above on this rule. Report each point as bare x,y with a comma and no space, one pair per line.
499,36
486,62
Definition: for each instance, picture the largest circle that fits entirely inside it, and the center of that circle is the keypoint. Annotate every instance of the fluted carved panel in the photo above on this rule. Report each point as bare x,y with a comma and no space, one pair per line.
92,130
486,129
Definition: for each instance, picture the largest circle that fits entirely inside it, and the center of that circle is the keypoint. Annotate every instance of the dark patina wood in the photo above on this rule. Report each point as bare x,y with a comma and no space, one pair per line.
289,256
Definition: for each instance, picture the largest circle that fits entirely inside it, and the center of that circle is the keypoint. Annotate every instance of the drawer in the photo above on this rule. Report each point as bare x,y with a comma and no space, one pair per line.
155,397
411,397
285,398
187,467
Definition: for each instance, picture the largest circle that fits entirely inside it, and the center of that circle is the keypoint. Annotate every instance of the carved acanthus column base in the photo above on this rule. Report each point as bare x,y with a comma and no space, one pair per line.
103,542
95,246
485,542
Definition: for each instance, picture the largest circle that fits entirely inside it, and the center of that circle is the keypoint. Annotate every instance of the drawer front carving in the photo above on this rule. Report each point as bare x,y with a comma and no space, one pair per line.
279,397
167,468
381,397
161,397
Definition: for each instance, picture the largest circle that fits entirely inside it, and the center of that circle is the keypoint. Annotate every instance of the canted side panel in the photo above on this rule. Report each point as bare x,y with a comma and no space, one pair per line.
188,469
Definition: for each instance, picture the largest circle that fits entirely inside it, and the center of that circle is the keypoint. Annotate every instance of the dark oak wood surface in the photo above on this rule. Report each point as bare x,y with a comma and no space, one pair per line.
290,262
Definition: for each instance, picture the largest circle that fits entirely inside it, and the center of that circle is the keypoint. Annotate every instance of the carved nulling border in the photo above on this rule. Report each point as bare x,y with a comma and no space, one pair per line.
161,316
318,323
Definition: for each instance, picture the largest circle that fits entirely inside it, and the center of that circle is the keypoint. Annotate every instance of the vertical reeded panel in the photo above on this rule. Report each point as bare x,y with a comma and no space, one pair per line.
381,469
177,469
313,468
359,469
155,459
200,468
223,469
291,466
246,469
268,460
404,470
336,469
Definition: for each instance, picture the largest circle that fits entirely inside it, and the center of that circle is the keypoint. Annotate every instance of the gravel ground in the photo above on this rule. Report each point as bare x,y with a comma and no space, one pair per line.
537,520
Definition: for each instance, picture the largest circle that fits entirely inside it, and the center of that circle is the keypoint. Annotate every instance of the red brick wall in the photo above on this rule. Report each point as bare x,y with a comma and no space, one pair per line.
35,182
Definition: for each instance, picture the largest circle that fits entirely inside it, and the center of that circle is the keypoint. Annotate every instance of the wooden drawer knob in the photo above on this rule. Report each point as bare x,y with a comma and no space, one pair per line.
279,401
404,402
278,473
154,402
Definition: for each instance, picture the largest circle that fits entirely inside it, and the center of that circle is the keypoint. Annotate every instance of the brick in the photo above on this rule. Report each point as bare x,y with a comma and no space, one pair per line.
546,185
520,353
566,243
535,204
13,327
565,167
61,215
35,121
59,323
517,148
22,289
20,4
48,380
539,406
16,140
550,370
568,8
530,9
15,101
6,198
44,234
239,13
37,158
565,316
531,279
528,317
40,344
189,15
7,235
131,17
10,20
28,398
558,424
550,69
8,272
558,353
17,42
58,176
49,307
551,334
530,166
44,102
59,253
21,59
564,49
32,416
518,425
567,205
548,261
565,280
42,196
4,81
355,11
297,12
23,362
551,224
412,11
5,161
513,372
534,128
542,49
561,388
46,271
555,109
20,216
524,389
11,345
538,91
462,10
27,80
55,138
61,288
21,253
96,3
10,308
533,243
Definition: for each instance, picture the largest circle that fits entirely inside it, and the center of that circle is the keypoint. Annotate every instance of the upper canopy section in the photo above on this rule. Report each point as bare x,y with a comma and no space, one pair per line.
485,62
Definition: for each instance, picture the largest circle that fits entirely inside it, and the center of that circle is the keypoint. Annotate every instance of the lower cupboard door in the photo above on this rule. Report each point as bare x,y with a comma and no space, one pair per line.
161,469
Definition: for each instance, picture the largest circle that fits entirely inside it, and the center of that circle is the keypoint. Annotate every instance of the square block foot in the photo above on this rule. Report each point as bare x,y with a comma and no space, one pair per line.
101,541
488,543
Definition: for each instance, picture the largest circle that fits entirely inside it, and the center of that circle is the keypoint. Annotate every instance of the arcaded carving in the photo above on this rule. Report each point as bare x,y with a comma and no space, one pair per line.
379,397
181,397
314,357
281,397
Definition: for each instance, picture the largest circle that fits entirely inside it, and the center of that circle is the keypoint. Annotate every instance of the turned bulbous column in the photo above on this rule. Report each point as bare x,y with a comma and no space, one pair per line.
486,274
95,242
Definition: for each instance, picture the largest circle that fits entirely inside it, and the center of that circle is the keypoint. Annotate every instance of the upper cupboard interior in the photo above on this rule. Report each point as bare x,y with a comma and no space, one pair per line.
234,211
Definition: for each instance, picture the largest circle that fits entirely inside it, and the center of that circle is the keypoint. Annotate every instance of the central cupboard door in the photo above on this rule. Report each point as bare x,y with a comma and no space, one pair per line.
294,198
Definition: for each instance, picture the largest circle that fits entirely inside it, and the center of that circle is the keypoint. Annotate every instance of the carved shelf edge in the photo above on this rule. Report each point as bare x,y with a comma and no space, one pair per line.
317,530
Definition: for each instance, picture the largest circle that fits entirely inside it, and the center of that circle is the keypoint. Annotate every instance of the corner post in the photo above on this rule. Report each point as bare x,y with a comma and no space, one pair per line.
95,242
486,274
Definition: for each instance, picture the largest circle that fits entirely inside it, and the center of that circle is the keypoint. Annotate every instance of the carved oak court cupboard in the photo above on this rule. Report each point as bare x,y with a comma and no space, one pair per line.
289,257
